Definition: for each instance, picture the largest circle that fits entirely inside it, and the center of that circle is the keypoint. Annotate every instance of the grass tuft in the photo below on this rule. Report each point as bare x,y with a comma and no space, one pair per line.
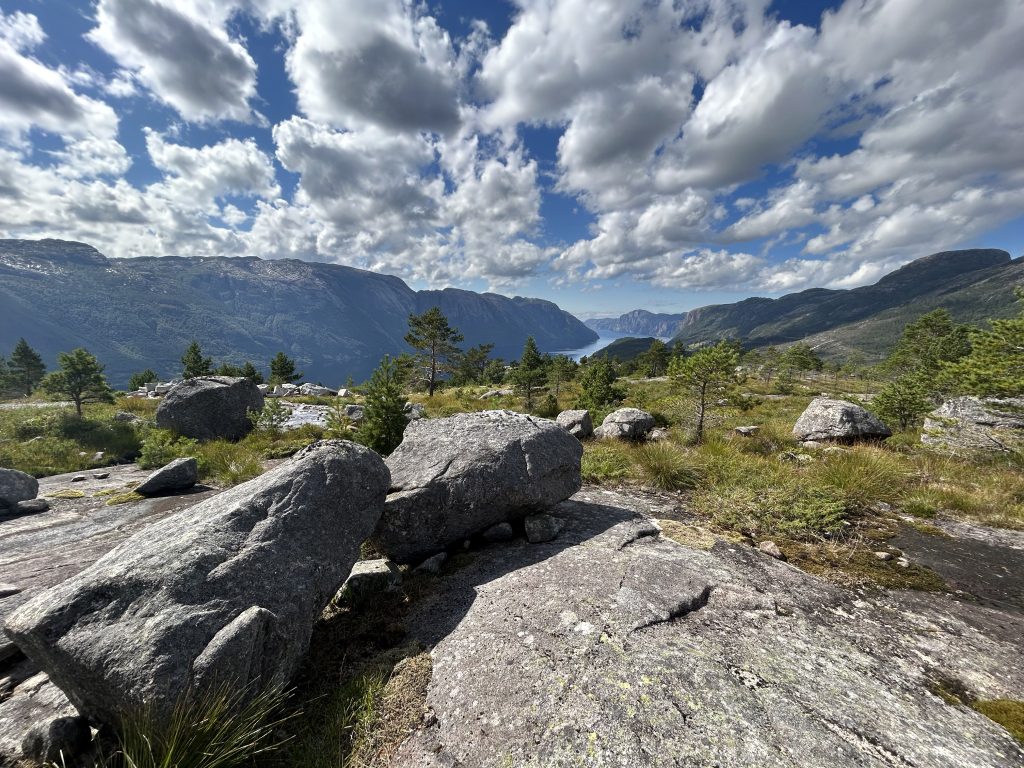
666,467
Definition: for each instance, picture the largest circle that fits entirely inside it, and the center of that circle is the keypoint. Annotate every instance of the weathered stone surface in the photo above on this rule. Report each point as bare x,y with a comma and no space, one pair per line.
771,549
354,412
210,407
29,507
371,576
626,424
747,431
966,424
226,590
432,564
414,411
16,486
541,528
496,393
179,475
828,419
458,476
632,651
499,532
576,423
314,390
33,706
57,741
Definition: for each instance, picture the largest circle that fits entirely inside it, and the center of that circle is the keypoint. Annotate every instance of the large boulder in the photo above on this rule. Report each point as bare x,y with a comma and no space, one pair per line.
16,486
576,423
222,593
828,419
626,424
975,424
458,476
210,407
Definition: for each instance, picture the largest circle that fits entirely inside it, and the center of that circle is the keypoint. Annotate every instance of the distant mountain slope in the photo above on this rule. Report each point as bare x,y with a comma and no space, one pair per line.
336,321
626,349
640,322
971,284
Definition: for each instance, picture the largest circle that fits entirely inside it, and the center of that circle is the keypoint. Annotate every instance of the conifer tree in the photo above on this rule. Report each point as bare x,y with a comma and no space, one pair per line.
141,378
282,370
384,419
194,364
995,365
530,372
25,368
433,337
80,378
706,375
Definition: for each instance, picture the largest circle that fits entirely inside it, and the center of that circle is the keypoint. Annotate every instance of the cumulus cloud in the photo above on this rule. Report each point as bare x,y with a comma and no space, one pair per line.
183,59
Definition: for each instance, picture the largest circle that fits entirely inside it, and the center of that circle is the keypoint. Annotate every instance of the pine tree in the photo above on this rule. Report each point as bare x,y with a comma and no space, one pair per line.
903,402
995,365
927,344
142,378
705,375
530,372
282,370
597,384
472,363
249,371
384,419
25,368
80,378
193,362
562,369
435,340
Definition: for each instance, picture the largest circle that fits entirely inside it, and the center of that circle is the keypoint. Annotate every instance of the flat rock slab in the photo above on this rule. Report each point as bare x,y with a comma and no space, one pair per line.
612,646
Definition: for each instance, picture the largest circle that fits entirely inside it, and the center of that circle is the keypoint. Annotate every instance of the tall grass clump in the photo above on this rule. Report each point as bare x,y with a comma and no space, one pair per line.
219,730
665,466
795,510
604,462
862,476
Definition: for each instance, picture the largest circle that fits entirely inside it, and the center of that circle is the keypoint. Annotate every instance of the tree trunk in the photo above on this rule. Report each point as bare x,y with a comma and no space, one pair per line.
78,404
700,414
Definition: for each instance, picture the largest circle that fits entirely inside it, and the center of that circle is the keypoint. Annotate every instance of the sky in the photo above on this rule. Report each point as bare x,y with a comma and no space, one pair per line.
605,154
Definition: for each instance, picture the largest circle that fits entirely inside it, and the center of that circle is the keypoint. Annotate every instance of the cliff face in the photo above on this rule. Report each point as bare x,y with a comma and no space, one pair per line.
335,321
640,322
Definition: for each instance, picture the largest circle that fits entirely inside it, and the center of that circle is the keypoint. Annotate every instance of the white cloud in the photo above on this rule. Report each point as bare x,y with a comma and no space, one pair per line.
181,53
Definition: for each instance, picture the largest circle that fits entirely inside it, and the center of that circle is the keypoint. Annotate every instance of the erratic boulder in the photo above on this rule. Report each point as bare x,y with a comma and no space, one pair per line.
576,423
626,424
179,475
222,593
458,476
828,419
16,486
976,424
210,407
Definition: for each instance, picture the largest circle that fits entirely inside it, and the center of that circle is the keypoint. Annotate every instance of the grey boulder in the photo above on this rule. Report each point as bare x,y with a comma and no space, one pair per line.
370,577
576,423
975,424
626,424
179,475
828,419
458,476
221,593
210,407
541,528
16,486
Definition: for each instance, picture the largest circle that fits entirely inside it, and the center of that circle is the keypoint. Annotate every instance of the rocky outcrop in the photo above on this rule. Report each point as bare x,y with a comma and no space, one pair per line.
37,722
225,592
179,475
16,486
625,424
210,407
576,423
458,476
966,424
629,649
840,420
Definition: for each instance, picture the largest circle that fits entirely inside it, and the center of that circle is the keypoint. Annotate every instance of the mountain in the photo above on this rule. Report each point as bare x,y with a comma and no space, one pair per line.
972,284
640,322
625,349
335,321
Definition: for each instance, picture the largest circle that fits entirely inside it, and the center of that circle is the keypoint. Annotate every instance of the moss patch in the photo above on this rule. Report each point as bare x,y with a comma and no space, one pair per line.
687,535
1009,713
67,493
857,566
124,498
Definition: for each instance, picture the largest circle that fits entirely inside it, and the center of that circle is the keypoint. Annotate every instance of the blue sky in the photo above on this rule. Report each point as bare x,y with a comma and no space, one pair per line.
606,155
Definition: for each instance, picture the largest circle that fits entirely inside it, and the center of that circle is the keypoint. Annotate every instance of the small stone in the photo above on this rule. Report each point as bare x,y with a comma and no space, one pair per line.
179,475
656,434
541,528
79,479
772,549
31,507
499,532
6,590
372,576
903,562
100,475
431,564
812,444
884,555
746,431
97,457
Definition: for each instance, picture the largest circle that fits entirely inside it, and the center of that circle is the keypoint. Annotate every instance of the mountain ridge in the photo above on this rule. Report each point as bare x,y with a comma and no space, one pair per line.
335,320
973,284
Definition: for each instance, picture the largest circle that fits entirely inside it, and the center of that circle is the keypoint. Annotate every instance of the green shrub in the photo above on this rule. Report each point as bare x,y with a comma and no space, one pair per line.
230,463
161,446
271,418
862,476
793,510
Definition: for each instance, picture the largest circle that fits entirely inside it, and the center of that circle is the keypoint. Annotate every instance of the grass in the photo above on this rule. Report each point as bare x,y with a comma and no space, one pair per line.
1009,713
665,467
67,493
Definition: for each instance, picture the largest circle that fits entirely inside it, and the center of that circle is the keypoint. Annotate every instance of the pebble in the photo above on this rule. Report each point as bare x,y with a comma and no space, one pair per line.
772,549
79,479
883,555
